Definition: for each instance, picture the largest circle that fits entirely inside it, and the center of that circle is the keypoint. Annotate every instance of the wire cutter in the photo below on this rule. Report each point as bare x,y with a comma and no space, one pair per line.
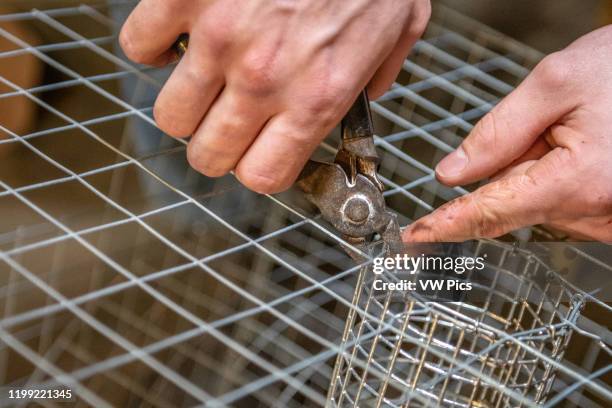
348,192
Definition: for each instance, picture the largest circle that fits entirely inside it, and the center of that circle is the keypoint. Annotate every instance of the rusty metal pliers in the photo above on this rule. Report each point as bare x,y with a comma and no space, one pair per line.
348,191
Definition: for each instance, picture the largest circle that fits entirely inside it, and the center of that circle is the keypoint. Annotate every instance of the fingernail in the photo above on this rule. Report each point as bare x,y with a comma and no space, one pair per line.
453,164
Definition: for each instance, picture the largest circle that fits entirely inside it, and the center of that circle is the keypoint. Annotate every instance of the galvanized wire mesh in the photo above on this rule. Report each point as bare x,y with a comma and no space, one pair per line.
133,280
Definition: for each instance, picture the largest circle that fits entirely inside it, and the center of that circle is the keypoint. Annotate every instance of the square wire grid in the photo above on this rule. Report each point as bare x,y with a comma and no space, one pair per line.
133,280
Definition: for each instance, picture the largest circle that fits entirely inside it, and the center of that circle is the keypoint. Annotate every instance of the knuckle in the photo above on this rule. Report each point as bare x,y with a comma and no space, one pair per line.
217,30
193,74
169,124
484,135
329,93
515,188
216,37
129,48
599,200
304,139
262,183
487,222
555,70
319,104
199,161
194,158
195,81
491,218
257,74
323,106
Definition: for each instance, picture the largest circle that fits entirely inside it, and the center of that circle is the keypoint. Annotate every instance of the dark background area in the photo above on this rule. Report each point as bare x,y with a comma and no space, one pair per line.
546,25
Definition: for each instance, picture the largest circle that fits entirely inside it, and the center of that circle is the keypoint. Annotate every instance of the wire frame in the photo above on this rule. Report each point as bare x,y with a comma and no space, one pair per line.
132,280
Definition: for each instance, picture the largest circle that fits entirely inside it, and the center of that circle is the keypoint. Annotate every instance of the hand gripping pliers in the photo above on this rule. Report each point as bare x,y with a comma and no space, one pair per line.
348,192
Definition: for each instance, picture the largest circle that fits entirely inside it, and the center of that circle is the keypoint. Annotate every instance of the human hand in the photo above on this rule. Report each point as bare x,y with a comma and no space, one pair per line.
548,146
263,82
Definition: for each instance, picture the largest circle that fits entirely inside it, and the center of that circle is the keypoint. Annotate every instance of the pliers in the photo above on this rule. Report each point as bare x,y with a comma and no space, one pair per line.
348,192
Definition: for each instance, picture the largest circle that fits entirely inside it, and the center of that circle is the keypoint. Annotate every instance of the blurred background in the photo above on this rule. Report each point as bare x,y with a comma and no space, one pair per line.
546,25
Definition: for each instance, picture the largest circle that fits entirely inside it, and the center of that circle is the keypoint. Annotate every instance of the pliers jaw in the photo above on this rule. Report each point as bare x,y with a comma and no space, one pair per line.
356,209
348,192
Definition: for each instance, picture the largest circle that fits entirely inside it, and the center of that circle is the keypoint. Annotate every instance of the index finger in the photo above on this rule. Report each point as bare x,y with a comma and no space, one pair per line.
513,202
152,28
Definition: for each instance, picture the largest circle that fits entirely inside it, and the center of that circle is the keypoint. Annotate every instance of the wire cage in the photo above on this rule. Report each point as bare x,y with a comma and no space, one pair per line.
498,350
132,280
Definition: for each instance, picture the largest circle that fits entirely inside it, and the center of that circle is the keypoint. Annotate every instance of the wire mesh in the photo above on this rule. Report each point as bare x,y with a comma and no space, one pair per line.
133,280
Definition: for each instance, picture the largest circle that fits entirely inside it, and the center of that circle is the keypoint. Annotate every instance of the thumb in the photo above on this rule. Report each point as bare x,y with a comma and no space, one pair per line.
515,201
511,128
